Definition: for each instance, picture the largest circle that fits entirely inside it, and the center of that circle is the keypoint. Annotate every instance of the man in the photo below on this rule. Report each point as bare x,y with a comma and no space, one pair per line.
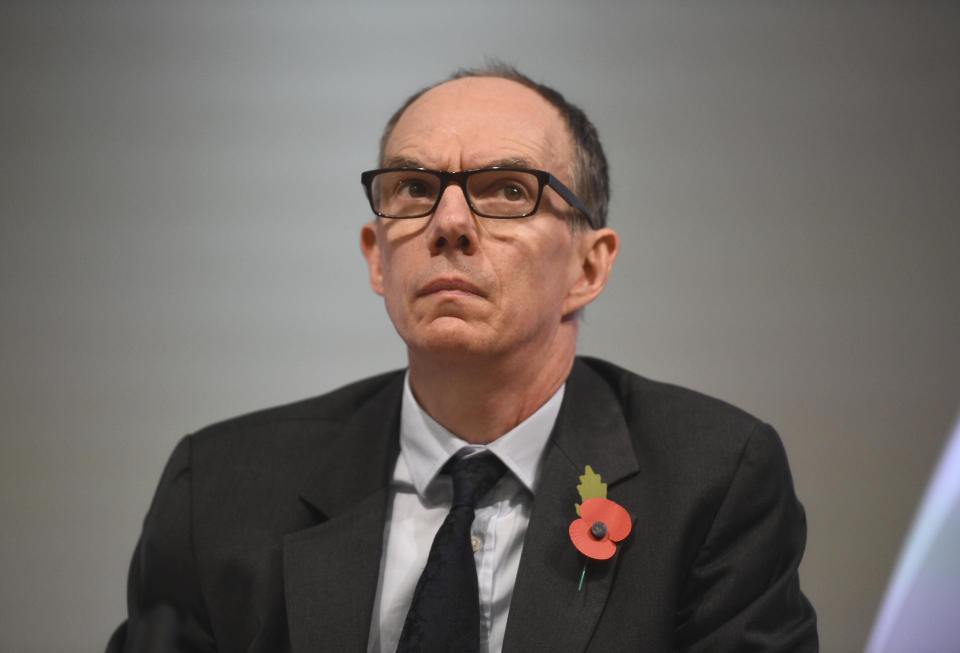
309,527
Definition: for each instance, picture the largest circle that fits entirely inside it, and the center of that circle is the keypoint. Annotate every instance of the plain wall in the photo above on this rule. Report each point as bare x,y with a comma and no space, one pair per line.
181,207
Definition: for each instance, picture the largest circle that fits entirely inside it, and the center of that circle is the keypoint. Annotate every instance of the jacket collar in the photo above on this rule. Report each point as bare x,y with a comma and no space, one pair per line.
331,570
547,612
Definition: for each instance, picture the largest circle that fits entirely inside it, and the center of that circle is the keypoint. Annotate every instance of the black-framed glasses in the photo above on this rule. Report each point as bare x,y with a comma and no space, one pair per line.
497,192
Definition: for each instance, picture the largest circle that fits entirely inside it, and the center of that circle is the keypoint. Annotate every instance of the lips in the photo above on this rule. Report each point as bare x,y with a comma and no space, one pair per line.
450,285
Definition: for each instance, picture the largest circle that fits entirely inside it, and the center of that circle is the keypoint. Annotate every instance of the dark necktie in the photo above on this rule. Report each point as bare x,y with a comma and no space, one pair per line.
444,615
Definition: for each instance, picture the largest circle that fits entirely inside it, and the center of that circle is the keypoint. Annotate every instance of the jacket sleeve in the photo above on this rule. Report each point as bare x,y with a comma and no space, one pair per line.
164,598
743,592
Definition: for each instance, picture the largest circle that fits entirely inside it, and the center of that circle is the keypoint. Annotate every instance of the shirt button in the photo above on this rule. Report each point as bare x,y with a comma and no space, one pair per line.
476,543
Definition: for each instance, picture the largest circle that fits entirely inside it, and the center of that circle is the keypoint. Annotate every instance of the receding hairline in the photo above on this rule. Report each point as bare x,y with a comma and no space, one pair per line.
422,93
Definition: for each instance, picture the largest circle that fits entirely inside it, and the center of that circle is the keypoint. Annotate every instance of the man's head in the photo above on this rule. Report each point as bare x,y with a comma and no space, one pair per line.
457,283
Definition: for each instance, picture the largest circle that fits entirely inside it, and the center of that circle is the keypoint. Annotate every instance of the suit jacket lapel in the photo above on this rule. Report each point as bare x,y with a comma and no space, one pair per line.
331,570
547,611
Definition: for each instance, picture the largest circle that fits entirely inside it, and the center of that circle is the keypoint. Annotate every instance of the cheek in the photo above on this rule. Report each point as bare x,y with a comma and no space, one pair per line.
393,259
550,262
392,280
537,279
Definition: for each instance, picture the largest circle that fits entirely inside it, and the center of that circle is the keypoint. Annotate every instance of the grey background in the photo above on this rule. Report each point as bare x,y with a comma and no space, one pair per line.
180,215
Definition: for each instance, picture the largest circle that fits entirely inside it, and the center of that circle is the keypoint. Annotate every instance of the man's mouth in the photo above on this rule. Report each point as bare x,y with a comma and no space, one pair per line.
450,285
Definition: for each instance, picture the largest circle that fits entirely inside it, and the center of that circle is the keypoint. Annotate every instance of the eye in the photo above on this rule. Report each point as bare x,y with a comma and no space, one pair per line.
513,193
415,187
512,189
504,193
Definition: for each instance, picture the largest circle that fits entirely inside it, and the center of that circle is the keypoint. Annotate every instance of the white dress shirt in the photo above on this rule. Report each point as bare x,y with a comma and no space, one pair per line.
420,500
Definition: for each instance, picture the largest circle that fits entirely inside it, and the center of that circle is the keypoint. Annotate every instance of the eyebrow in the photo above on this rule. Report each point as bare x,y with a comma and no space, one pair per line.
516,162
403,162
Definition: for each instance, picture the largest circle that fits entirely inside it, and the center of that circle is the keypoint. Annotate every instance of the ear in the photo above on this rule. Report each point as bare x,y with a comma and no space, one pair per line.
371,251
596,251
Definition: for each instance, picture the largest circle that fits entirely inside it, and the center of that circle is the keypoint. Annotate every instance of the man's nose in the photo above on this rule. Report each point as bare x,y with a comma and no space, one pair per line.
453,225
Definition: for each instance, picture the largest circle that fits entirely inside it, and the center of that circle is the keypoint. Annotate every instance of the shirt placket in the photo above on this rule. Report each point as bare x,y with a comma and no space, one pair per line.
483,531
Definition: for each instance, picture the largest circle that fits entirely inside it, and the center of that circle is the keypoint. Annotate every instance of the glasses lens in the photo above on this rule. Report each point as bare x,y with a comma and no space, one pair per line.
503,193
404,193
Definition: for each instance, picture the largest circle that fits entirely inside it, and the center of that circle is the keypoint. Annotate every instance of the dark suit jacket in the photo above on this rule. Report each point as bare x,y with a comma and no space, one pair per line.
265,533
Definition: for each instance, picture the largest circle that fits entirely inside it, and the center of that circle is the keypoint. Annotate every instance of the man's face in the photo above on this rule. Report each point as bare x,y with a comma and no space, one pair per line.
455,282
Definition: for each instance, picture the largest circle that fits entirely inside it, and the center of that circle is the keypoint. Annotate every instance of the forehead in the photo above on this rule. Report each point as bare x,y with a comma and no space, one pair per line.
476,121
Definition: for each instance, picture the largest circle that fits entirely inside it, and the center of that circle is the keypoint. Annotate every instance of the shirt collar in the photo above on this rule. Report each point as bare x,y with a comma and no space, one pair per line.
426,446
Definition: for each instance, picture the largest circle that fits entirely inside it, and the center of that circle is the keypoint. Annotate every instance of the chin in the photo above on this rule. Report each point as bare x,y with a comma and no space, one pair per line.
451,336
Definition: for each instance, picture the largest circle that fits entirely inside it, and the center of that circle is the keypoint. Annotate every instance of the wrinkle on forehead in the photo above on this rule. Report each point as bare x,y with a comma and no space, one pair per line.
476,122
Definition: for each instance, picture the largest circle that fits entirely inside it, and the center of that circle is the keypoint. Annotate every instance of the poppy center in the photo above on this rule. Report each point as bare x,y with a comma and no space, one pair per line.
598,530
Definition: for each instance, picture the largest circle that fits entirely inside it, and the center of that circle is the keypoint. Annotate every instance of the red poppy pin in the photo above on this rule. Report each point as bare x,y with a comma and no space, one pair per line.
602,522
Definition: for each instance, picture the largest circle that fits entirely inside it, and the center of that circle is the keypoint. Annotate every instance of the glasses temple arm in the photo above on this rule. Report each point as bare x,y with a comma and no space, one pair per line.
569,197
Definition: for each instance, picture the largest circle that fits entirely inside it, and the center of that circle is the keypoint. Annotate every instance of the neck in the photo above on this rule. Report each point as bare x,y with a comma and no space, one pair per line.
480,398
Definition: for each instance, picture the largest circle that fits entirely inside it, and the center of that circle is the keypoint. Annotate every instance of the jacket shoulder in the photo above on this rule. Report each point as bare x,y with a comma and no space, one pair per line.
679,410
334,406
247,474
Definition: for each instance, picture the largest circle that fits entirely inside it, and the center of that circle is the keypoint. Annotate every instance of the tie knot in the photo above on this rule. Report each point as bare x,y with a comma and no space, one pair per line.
474,476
